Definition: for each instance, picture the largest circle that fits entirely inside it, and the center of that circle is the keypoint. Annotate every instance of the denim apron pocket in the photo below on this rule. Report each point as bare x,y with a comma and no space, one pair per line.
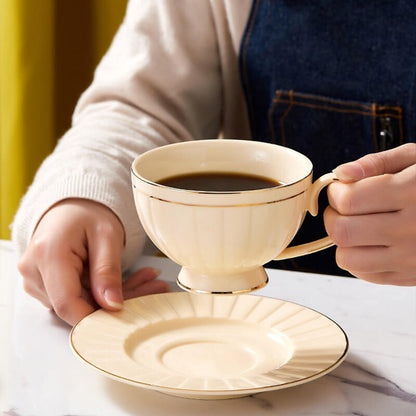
330,131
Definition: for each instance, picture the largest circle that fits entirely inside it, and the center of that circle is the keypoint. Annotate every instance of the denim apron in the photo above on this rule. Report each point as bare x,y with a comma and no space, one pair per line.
332,79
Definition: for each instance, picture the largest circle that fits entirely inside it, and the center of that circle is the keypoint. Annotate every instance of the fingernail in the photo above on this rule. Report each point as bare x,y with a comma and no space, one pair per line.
156,271
113,298
348,172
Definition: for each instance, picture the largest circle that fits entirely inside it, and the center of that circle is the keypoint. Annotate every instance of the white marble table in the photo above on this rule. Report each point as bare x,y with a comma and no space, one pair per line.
40,376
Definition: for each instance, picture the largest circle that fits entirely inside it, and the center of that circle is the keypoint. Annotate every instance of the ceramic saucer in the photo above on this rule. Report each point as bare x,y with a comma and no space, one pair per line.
210,346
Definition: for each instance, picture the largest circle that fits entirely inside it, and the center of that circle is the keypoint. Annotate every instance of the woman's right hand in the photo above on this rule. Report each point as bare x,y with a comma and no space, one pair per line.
73,262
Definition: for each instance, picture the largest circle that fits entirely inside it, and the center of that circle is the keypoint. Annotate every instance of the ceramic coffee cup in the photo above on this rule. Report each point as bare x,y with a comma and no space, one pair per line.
222,239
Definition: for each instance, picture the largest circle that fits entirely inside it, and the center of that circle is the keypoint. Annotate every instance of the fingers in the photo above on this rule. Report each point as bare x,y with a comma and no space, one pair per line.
370,259
382,229
377,265
373,220
55,263
32,281
148,288
143,283
57,279
73,262
386,278
66,294
389,161
378,247
385,193
140,277
105,245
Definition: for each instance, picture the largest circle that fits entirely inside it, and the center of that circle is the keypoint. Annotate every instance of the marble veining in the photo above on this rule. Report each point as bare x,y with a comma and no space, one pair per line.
381,384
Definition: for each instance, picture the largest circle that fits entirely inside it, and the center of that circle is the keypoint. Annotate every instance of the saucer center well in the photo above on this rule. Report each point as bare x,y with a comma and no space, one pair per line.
208,348
209,359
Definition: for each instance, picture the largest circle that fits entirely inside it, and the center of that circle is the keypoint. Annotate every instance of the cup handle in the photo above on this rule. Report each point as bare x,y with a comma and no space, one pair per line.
317,245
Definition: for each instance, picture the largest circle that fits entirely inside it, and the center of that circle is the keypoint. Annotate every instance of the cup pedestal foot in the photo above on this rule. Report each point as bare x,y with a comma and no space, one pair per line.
244,282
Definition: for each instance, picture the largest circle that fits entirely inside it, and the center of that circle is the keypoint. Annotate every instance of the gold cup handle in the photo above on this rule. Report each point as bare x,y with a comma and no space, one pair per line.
317,245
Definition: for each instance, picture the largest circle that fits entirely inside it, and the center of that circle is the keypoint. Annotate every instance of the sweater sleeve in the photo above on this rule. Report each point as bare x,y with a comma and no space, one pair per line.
159,83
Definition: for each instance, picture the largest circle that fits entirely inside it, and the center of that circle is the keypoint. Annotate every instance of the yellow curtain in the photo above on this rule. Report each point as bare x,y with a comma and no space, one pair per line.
48,52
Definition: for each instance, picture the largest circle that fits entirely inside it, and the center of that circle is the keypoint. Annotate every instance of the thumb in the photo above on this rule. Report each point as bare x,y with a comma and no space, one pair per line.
105,271
374,164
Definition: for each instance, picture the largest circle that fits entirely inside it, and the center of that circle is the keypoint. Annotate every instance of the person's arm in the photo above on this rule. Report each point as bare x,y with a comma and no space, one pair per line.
159,83
372,216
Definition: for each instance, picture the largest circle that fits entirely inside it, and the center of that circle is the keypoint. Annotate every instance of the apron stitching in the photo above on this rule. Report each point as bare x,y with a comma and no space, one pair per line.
282,119
387,107
332,100
323,107
398,116
396,109
271,123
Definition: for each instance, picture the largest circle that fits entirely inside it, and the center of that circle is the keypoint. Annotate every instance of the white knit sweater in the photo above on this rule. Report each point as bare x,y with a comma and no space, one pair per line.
171,74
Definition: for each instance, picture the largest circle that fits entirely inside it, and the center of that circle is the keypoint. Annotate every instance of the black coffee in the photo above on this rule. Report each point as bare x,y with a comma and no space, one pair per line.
219,182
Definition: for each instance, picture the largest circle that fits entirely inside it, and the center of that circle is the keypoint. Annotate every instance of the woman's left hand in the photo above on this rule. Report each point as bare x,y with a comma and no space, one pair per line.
372,216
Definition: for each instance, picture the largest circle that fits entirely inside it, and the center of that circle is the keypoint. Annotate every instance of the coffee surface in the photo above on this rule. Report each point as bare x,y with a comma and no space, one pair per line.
219,182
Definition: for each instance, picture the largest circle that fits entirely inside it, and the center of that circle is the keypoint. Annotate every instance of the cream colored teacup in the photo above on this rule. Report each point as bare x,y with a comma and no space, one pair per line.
222,239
